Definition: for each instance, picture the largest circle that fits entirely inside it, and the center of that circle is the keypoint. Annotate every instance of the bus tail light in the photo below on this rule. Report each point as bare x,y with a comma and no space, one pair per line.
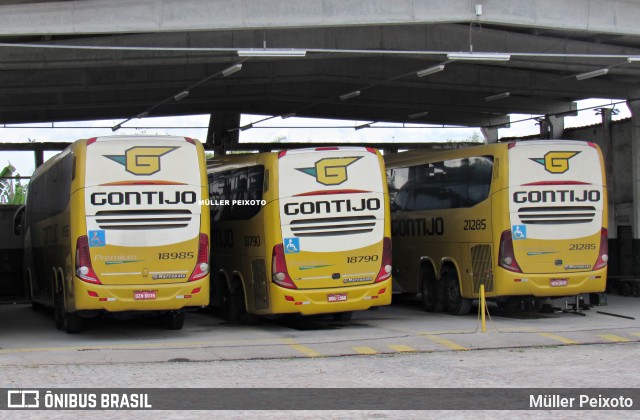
386,268
506,256
84,269
603,255
279,272
202,265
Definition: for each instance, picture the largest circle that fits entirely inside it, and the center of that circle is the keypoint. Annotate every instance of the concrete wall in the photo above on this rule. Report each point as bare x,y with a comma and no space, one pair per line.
624,250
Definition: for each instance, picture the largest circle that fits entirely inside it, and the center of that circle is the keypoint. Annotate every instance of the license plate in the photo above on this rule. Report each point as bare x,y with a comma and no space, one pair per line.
144,294
337,297
558,282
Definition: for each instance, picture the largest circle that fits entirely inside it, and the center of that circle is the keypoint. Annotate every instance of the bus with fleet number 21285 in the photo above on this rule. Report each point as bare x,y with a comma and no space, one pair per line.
528,220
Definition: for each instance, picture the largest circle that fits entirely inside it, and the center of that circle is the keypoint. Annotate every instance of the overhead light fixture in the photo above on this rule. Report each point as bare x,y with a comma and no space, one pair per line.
502,95
246,127
430,70
418,115
230,70
590,74
180,96
116,127
289,115
633,59
479,56
142,114
271,53
349,95
360,127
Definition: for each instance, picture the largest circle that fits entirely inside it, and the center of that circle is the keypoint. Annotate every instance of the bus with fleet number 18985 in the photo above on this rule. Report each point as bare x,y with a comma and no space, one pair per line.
116,225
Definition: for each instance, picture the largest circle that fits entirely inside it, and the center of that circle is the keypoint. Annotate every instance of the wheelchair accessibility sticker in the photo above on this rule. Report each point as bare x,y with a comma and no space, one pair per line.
519,232
96,238
291,245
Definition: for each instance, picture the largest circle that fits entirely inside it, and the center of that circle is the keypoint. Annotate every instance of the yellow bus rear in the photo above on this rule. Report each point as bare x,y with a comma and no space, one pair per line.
115,225
318,244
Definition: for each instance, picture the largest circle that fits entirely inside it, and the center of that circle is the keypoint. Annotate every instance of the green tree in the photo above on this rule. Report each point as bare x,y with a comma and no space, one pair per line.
12,191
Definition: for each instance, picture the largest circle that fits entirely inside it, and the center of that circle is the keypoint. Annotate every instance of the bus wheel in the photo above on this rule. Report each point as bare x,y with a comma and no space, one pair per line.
230,310
624,288
174,320
342,316
635,289
65,321
432,299
455,303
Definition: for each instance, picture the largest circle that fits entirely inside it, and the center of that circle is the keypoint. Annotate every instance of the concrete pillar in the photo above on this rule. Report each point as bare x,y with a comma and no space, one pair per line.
551,127
634,107
490,134
607,154
223,132
39,156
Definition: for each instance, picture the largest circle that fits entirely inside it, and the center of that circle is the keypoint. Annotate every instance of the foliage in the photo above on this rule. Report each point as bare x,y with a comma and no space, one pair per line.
12,191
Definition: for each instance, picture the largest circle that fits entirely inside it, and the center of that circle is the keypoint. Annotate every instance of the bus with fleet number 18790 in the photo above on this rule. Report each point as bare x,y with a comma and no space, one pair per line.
300,231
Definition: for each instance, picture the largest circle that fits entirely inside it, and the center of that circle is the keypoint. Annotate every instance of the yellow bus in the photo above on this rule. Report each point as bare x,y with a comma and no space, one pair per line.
527,219
300,231
116,225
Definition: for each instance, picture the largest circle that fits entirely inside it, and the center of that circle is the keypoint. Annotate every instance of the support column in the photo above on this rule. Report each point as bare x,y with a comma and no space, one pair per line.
490,134
552,127
608,152
223,132
634,176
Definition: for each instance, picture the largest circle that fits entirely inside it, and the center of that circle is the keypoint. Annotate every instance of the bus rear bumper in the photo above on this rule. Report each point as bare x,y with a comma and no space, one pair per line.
548,285
324,301
148,297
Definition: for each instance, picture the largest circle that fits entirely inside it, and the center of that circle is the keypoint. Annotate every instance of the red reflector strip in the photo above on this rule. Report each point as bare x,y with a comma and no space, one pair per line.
327,192
517,280
92,293
555,183
289,298
111,184
381,291
195,291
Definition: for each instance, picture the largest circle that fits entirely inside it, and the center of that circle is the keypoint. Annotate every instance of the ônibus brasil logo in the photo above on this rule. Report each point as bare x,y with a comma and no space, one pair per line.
330,171
142,160
555,162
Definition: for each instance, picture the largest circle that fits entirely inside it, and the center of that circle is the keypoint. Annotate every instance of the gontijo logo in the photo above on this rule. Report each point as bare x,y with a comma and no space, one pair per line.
142,160
555,162
330,171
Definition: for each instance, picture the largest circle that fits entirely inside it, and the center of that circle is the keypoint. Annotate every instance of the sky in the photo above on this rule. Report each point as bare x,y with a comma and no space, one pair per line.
291,129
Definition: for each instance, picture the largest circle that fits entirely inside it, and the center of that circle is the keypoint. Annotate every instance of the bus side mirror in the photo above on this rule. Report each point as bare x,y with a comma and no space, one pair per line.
18,220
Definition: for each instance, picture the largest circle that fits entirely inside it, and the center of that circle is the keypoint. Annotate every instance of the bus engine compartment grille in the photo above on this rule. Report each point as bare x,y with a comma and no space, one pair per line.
333,226
143,219
556,215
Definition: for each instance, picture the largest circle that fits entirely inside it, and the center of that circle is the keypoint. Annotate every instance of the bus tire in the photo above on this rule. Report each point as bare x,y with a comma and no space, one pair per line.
229,307
624,288
455,303
431,293
69,322
635,289
342,316
174,320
